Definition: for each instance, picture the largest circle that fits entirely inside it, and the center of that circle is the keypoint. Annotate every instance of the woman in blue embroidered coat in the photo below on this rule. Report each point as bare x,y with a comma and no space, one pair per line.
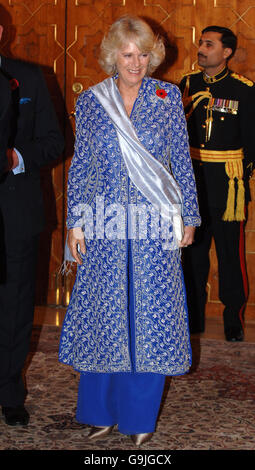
126,326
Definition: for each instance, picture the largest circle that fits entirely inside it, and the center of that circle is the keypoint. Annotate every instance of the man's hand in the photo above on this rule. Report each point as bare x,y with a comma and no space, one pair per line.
75,238
12,158
188,237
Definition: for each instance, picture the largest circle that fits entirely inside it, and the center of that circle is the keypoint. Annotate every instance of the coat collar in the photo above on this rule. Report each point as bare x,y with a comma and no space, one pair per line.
215,78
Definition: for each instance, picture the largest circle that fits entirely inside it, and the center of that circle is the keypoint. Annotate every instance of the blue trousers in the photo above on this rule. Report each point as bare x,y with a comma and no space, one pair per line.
129,399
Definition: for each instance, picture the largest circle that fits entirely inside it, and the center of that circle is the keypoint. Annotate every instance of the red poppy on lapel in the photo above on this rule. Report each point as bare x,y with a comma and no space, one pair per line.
14,83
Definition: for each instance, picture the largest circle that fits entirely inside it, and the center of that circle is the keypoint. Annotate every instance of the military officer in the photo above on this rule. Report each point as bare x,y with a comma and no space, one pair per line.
219,106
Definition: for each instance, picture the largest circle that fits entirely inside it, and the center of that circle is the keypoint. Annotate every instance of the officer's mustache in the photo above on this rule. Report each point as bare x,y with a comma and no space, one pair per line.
201,55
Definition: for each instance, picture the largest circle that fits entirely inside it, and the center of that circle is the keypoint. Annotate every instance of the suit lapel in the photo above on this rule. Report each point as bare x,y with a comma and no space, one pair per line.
6,67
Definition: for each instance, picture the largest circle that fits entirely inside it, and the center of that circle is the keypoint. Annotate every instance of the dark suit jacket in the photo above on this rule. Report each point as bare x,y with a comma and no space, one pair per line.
5,116
35,134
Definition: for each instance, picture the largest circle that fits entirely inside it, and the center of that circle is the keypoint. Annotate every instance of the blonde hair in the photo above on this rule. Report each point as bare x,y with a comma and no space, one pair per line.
130,28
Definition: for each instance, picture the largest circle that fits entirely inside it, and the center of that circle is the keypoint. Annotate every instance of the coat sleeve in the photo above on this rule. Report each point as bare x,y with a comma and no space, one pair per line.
5,117
81,168
180,161
45,142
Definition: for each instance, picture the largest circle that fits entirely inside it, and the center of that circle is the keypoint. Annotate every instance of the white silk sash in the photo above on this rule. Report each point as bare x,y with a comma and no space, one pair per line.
152,179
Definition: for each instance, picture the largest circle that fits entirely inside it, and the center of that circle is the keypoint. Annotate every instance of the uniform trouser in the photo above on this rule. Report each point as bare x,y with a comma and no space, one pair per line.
17,285
233,284
130,400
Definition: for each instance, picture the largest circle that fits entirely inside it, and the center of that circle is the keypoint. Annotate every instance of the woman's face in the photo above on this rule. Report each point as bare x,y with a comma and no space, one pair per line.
132,65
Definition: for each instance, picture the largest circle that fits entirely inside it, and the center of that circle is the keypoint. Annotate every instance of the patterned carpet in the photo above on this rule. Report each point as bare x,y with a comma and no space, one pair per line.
211,408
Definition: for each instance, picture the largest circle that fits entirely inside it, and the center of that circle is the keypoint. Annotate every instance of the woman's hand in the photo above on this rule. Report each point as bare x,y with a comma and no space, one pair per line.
75,238
188,237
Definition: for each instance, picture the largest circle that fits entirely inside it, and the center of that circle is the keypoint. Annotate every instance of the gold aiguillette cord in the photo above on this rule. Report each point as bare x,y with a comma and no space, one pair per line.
209,120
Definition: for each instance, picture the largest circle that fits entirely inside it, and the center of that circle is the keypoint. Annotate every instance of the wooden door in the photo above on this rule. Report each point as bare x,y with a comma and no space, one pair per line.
64,37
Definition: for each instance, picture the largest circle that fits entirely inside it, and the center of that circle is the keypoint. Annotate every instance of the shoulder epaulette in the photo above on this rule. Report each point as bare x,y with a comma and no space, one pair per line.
242,79
191,72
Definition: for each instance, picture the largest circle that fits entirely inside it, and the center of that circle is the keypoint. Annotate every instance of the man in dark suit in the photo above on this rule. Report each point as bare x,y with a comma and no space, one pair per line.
5,116
34,141
219,106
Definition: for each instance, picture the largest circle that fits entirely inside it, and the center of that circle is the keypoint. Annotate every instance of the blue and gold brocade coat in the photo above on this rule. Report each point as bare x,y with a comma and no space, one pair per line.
95,332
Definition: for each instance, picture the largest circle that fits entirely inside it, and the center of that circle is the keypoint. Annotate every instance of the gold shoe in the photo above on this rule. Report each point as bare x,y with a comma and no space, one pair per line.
139,439
98,432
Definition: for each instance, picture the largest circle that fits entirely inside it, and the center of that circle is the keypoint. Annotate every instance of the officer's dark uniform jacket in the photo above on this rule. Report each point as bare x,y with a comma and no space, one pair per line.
220,118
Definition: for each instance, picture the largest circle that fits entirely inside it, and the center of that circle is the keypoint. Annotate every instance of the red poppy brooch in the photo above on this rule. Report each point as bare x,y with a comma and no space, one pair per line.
160,92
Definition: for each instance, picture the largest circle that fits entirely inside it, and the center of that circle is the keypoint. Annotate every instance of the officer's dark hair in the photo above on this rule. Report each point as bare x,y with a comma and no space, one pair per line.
228,38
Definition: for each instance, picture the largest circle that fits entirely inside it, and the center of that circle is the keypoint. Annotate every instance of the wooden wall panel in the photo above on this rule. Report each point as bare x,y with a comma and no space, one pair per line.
64,37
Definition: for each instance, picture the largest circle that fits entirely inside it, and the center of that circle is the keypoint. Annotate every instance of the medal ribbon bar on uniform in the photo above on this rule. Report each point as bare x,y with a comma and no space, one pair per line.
224,105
